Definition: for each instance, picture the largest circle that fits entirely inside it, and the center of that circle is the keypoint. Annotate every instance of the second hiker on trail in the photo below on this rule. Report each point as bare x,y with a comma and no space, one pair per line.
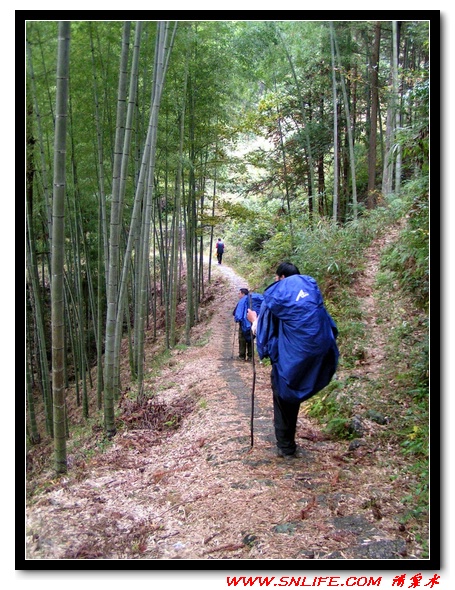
219,250
297,333
246,299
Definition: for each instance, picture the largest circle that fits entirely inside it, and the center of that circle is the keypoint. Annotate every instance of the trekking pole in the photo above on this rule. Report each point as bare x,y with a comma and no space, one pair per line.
233,341
254,382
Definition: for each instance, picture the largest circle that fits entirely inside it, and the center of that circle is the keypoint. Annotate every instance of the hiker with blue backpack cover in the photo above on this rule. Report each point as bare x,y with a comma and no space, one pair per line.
294,329
245,338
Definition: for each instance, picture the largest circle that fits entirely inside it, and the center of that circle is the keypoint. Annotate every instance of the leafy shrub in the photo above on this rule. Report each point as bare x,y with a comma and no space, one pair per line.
408,259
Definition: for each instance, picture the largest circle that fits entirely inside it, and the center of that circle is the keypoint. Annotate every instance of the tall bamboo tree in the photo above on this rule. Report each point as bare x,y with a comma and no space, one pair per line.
100,159
177,211
32,426
32,272
162,53
58,247
132,94
114,242
44,173
133,242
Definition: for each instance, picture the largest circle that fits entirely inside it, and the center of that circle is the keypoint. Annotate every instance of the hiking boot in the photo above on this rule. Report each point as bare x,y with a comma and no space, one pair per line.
283,455
240,358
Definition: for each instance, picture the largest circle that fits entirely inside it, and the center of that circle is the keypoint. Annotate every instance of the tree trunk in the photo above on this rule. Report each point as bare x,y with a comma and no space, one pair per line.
58,248
350,133
132,95
174,284
32,272
387,173
396,100
34,434
311,183
372,194
335,128
114,243
100,159
213,209
286,183
44,174
161,62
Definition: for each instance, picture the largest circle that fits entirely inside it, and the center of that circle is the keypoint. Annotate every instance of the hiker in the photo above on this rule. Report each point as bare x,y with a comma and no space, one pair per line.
219,250
239,314
297,333
246,299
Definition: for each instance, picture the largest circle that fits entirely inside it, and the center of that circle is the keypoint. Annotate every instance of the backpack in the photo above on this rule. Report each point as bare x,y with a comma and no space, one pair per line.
219,247
298,334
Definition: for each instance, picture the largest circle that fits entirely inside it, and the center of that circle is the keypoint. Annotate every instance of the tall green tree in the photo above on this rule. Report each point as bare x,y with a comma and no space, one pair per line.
121,300
335,127
396,99
174,267
114,241
350,133
372,198
309,149
162,53
58,246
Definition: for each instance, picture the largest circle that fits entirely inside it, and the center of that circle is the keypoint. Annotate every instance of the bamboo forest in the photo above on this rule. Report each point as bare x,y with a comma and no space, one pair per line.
149,432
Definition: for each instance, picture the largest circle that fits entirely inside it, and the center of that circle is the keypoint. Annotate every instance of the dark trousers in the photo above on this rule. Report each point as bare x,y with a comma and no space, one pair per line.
244,346
284,420
219,257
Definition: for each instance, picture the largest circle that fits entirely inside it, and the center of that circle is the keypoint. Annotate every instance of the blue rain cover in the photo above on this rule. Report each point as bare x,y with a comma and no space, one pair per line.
255,301
298,334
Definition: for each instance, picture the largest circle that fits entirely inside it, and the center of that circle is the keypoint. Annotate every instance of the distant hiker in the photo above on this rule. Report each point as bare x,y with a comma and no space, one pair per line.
297,333
245,341
219,250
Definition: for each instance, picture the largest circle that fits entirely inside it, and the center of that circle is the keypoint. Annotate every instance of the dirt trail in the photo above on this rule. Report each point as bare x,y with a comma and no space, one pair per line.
200,492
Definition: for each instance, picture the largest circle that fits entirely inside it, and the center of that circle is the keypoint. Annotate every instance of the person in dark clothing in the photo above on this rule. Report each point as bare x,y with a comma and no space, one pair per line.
294,329
219,250
238,313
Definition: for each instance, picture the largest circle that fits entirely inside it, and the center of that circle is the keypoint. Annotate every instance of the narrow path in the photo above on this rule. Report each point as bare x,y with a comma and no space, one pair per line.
201,492
375,345
238,374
